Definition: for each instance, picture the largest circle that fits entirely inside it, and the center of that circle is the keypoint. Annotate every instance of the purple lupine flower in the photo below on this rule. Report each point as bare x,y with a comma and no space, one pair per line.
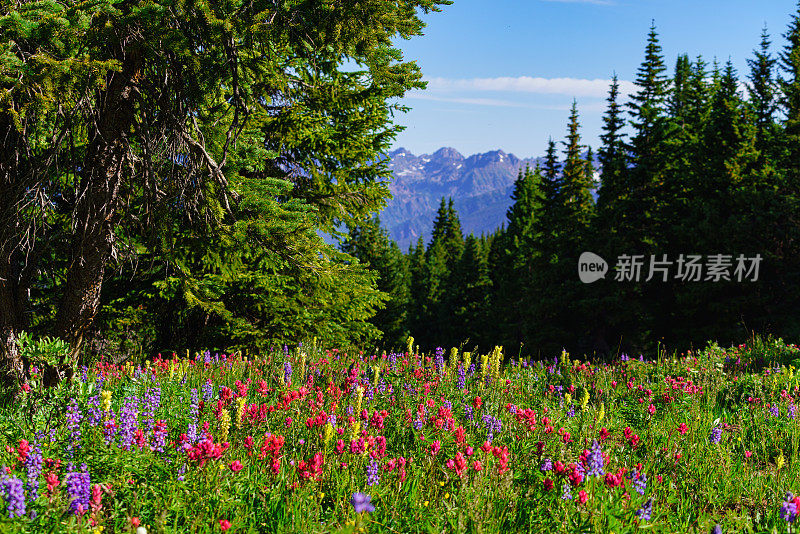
332,420
418,424
109,428
716,530
492,424
790,411
595,460
566,494
547,465
74,417
461,377
94,413
716,435
33,467
182,472
349,409
471,370
392,361
369,394
775,411
287,372
789,509
208,391
645,511
468,412
639,481
438,360
152,400
194,413
13,494
571,412
84,372
373,478
128,422
79,489
159,439
361,503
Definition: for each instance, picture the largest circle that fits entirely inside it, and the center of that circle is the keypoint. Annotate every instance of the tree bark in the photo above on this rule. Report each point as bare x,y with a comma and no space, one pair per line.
97,207
13,298
12,366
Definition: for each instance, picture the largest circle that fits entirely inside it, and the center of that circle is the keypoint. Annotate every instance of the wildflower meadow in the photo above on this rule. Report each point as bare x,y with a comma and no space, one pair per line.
308,439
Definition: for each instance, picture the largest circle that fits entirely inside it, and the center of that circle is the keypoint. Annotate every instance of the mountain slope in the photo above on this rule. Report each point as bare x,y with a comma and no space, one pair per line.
480,185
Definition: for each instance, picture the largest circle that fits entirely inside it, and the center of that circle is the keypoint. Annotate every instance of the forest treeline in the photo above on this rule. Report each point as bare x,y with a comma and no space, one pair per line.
694,163
167,173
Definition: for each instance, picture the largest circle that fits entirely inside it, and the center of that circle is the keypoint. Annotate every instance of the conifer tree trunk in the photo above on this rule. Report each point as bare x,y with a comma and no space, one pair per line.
12,367
97,206
12,319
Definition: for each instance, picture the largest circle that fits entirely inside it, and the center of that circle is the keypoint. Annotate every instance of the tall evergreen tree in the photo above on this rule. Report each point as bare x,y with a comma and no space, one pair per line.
470,306
556,296
577,205
453,236
513,277
150,112
371,245
763,94
647,110
790,103
612,155
417,266
441,223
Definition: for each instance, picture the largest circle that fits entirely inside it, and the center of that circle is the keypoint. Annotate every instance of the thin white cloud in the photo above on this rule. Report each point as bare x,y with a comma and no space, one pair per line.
494,102
595,2
576,87
473,101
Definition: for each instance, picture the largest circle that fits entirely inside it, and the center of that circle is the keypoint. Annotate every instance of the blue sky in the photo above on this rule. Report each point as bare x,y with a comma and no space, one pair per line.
503,73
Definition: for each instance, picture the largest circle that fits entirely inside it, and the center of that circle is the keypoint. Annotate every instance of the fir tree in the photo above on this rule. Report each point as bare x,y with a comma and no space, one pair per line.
370,244
763,94
790,103
612,155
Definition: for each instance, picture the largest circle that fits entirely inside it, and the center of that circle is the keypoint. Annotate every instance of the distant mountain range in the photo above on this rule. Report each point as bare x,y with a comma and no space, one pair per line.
481,187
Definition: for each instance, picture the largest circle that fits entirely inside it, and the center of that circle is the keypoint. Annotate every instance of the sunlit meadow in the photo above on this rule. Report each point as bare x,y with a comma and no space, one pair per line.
306,439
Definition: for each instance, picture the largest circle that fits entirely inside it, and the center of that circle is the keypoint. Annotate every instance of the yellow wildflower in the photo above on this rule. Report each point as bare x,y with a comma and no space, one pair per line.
224,424
105,403
239,411
359,398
